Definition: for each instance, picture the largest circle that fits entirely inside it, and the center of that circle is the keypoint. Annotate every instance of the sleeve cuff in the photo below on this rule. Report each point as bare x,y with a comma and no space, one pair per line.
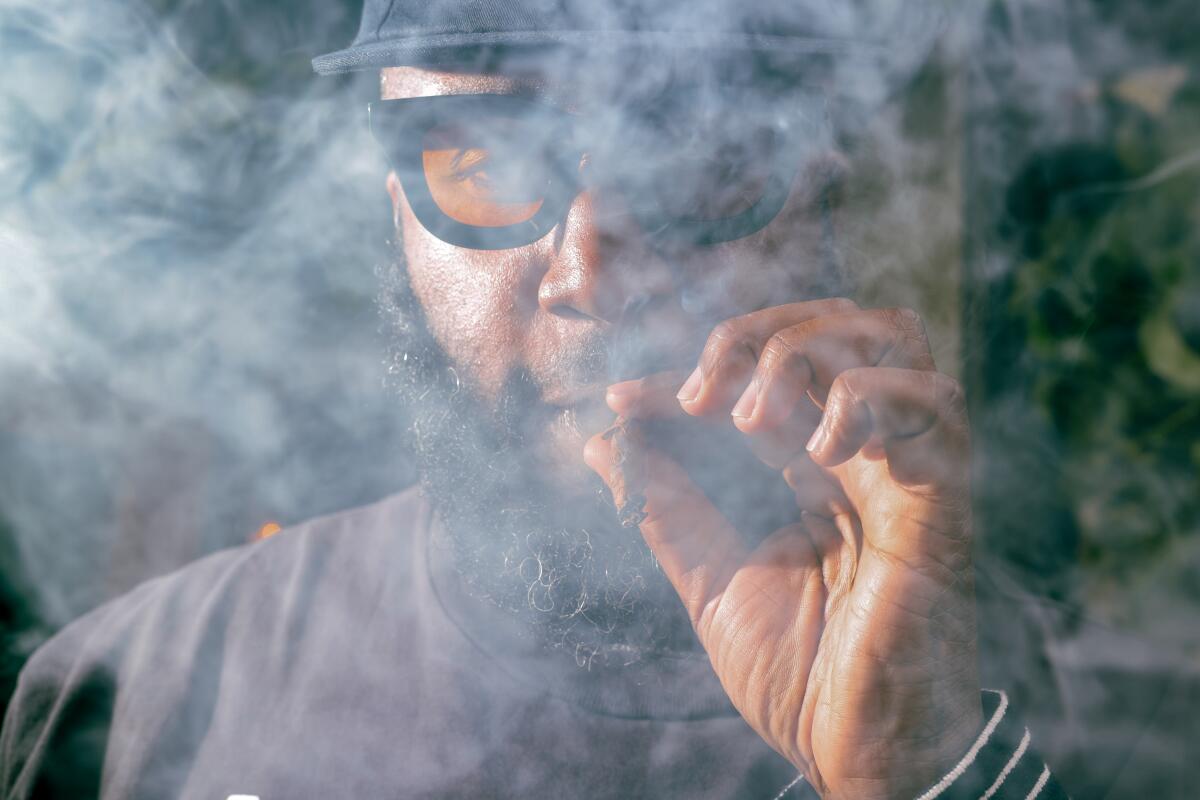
1000,764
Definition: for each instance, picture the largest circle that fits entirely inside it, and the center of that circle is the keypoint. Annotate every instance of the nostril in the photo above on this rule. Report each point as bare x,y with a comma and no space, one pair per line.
568,312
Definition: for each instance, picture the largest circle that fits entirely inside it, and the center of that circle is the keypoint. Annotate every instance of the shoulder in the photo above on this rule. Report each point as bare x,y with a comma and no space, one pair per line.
168,635
252,575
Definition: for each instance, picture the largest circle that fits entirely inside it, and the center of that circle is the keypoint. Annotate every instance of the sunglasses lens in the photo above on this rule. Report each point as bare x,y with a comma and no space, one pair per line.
716,179
494,172
485,176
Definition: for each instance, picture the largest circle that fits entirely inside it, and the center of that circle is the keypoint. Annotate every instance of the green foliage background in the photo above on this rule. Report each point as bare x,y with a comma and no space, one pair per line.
1106,242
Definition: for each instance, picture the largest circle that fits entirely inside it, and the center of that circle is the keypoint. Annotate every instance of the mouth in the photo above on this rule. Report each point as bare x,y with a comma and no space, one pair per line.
576,395
583,412
586,417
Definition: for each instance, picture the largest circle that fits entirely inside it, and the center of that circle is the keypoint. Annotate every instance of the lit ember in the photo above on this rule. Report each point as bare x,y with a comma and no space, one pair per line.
268,530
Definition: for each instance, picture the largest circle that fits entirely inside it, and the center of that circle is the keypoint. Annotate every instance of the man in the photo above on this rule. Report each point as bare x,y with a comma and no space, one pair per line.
604,214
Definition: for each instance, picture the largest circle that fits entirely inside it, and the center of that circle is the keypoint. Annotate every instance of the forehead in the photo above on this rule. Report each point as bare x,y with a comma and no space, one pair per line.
399,83
563,80
560,85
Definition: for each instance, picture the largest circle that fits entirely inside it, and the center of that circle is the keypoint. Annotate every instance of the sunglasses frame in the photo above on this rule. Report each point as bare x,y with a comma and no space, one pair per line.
399,127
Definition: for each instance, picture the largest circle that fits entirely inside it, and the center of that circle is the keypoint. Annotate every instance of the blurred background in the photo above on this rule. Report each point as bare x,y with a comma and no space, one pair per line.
190,355
190,222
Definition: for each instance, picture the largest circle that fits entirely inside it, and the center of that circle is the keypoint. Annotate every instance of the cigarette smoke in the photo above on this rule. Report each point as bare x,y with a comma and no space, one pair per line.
190,225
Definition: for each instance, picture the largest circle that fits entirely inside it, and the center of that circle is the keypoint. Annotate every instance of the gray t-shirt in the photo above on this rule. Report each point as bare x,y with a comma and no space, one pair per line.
339,660
343,659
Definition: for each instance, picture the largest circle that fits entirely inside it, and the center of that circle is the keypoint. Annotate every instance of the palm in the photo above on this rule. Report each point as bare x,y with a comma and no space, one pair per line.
826,623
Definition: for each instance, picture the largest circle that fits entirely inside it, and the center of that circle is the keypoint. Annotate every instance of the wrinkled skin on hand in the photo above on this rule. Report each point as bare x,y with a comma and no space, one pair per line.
846,640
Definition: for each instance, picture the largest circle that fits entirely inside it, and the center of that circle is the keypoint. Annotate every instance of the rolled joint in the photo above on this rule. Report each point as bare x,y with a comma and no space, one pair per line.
627,471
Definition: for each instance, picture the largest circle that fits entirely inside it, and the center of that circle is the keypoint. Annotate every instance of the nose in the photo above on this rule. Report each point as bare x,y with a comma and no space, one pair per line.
601,261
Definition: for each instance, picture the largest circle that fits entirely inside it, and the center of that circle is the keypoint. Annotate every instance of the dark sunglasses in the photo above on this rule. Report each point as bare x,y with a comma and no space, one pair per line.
492,171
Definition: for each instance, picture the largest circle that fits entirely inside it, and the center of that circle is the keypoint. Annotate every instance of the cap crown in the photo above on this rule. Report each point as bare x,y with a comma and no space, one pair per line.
396,32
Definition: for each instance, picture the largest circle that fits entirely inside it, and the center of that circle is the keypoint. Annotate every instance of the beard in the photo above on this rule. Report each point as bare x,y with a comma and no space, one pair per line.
552,556
541,540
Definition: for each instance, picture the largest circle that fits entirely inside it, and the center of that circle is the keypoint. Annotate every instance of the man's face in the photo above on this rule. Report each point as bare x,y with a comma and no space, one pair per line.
549,311
530,336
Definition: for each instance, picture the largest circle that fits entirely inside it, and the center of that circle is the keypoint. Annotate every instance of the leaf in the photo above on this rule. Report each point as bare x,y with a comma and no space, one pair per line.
1151,89
1167,353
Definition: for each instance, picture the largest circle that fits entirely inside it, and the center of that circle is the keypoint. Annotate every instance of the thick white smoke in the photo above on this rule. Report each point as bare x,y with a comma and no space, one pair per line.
189,223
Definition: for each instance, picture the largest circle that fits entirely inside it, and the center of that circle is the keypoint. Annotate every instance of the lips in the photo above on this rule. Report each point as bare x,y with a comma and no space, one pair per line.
572,396
588,415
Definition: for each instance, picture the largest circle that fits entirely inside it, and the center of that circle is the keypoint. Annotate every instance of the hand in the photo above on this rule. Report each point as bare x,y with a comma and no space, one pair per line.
847,640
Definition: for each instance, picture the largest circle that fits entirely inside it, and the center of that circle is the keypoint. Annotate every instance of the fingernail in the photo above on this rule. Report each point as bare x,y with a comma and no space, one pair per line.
691,387
817,440
744,407
591,453
622,390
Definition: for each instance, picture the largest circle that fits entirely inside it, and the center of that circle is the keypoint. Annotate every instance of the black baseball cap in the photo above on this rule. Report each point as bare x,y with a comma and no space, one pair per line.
882,37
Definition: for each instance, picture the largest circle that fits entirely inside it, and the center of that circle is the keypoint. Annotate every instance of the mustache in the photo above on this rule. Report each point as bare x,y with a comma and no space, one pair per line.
633,347
586,367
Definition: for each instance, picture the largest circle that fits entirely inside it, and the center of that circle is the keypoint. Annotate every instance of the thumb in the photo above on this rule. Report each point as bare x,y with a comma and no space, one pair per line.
697,547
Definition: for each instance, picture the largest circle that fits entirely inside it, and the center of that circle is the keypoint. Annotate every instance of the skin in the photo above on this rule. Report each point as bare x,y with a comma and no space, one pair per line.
847,641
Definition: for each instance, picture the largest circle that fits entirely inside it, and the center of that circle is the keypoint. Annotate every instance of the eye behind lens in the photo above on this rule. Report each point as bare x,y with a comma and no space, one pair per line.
483,177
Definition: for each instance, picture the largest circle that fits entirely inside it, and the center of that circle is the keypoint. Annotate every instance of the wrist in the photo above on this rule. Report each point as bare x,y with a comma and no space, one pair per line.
923,762
952,749
999,763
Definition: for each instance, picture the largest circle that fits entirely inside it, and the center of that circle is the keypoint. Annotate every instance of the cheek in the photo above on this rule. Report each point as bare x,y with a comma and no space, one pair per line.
473,302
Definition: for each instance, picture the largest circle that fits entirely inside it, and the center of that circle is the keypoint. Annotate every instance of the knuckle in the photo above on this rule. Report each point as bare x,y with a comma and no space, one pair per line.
949,393
841,305
729,341
910,340
826,306
849,381
841,397
727,331
906,321
730,334
780,349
